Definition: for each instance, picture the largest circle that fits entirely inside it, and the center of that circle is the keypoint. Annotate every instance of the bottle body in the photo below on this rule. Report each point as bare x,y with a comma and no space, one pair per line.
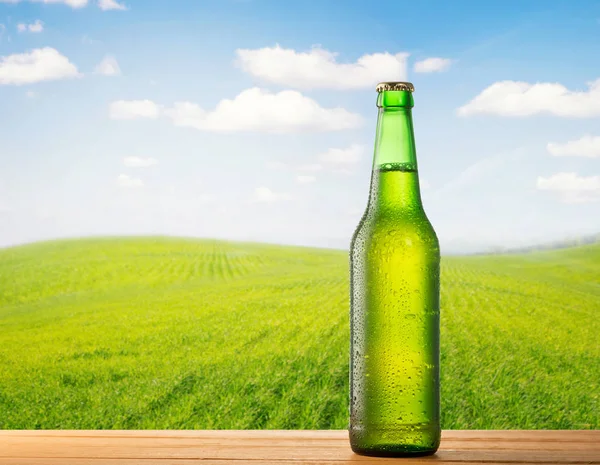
394,316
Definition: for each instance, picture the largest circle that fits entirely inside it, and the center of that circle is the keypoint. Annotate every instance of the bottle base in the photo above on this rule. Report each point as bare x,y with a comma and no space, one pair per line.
415,441
392,450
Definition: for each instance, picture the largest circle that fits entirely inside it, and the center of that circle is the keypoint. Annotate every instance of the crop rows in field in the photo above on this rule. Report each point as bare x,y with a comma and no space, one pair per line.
181,333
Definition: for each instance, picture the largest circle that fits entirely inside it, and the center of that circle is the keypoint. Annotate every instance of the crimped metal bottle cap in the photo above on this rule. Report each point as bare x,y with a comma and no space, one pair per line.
395,86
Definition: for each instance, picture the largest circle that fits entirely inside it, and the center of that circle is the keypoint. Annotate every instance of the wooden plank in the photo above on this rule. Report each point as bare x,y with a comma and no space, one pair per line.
507,435
31,442
300,454
373,461
270,447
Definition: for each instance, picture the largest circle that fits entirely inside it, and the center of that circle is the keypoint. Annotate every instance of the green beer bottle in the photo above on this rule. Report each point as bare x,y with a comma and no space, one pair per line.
394,287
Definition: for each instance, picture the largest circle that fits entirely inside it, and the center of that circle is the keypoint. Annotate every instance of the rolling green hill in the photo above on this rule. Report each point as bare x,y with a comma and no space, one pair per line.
153,333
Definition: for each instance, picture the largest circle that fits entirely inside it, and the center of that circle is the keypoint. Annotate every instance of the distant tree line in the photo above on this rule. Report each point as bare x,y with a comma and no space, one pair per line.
560,244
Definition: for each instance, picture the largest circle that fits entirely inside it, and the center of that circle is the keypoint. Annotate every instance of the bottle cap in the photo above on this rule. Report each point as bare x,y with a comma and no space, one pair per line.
407,86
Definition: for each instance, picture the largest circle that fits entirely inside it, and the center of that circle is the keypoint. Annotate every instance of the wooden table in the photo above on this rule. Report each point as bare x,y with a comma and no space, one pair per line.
271,447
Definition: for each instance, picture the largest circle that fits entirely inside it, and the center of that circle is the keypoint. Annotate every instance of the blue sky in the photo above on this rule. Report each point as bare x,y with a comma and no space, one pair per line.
254,120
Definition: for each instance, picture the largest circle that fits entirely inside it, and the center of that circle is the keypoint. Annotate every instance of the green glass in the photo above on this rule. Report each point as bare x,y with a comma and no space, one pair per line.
395,288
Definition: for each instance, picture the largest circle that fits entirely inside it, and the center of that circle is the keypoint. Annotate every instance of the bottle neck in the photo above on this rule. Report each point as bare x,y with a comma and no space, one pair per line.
395,181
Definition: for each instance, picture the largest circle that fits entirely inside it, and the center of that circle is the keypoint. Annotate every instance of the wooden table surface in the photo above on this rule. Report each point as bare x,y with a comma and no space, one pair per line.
270,447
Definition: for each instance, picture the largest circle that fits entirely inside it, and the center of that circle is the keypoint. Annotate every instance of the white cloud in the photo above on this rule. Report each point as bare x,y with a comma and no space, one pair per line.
319,68
41,64
572,188
302,179
106,5
127,181
258,110
587,146
37,26
343,157
132,109
108,66
30,94
139,162
71,3
432,65
512,98
266,195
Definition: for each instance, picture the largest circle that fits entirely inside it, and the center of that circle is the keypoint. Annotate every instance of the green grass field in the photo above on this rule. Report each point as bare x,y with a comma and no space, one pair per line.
154,333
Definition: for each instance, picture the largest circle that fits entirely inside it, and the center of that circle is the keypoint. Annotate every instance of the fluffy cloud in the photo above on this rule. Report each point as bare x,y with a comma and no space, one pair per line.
106,5
587,146
343,157
572,188
108,66
302,179
258,110
37,26
266,195
128,182
71,3
512,98
139,162
432,65
41,64
319,68
133,109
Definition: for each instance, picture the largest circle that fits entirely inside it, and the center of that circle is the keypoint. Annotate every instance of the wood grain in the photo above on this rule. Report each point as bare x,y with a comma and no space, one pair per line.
270,447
